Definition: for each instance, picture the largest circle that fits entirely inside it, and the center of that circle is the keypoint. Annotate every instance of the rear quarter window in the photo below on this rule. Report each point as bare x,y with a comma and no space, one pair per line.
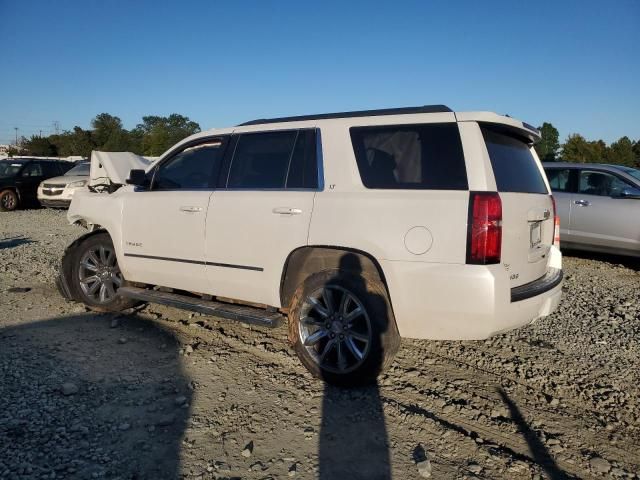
514,166
421,156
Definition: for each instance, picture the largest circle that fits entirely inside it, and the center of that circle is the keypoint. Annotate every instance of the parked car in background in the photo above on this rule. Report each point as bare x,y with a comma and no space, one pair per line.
20,177
599,206
57,192
360,227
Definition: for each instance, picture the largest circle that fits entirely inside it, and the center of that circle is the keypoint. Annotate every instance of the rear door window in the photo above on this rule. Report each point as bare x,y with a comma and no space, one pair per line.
303,168
34,169
51,169
421,156
559,179
514,166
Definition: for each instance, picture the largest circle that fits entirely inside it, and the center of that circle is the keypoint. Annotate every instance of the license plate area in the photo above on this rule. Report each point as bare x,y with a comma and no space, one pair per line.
535,234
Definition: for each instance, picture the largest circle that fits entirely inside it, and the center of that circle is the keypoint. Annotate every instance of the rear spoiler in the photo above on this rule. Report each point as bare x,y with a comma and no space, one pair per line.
503,122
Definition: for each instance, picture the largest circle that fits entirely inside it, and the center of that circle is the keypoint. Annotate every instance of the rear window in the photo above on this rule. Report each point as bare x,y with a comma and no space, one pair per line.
514,166
427,156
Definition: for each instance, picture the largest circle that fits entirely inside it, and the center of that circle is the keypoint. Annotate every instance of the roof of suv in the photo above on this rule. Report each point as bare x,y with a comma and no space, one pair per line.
358,113
486,117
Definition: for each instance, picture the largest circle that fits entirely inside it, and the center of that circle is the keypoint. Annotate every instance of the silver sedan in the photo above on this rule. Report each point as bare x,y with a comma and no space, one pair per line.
598,205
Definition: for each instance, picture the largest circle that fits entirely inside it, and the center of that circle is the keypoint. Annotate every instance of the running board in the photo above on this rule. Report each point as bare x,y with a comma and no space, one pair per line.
240,313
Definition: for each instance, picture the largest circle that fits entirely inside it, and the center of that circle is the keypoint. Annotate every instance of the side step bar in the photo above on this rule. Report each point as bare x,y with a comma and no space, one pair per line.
240,313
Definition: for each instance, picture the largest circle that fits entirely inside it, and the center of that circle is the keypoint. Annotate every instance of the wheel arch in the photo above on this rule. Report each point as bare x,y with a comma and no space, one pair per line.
63,282
308,260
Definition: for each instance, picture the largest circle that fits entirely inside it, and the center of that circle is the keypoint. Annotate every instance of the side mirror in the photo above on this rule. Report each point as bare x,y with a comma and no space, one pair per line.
137,177
630,193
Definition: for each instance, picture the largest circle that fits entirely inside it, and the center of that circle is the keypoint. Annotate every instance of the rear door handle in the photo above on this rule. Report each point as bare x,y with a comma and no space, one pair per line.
190,209
582,203
287,211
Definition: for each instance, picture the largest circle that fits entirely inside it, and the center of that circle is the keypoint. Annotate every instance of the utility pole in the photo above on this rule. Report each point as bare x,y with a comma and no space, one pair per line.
16,129
40,133
56,126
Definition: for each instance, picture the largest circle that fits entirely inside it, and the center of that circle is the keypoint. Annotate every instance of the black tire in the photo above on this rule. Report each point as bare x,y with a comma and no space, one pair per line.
346,331
8,201
86,259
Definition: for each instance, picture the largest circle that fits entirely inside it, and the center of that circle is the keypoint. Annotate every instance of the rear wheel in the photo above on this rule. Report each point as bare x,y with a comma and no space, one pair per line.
8,200
96,276
342,328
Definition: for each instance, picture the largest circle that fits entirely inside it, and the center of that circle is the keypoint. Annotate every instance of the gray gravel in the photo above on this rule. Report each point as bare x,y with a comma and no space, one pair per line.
168,394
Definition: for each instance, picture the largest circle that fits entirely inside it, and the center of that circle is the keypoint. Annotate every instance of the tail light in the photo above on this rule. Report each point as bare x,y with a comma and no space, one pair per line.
484,230
556,224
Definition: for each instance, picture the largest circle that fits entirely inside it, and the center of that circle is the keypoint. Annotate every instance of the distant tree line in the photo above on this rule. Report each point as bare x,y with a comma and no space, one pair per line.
151,137
578,149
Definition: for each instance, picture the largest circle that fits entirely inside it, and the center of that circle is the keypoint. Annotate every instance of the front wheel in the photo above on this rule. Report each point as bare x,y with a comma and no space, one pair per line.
342,328
8,201
96,276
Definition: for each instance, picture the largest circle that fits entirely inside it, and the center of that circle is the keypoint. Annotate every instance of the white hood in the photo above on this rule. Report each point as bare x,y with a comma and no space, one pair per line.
114,167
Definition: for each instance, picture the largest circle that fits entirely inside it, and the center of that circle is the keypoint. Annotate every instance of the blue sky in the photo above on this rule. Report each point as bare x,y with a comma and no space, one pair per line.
573,63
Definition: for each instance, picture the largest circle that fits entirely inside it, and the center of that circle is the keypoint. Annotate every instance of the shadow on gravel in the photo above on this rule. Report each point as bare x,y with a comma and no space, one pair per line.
353,435
632,263
82,400
14,242
538,450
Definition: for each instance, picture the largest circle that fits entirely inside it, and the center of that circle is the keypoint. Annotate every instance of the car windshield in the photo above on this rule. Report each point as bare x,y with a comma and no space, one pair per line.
10,168
82,169
634,172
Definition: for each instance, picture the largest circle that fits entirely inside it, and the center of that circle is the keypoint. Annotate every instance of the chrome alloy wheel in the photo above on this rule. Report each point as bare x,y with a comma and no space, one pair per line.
8,201
99,274
335,329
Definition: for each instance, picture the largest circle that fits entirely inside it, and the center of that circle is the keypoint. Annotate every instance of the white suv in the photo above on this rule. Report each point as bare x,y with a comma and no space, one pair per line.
359,227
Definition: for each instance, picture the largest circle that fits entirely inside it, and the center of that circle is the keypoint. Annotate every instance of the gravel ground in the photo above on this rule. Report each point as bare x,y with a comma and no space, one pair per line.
163,393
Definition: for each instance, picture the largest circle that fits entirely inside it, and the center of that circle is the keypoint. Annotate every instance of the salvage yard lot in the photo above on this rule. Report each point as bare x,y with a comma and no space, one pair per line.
164,393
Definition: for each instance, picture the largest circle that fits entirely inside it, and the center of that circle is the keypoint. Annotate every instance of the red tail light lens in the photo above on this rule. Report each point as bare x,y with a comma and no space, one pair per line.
556,223
484,230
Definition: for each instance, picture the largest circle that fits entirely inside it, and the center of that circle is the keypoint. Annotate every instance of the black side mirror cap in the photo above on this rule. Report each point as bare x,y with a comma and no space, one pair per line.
137,177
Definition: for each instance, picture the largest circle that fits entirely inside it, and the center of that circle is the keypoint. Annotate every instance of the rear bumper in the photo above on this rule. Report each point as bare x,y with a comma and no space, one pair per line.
465,302
537,287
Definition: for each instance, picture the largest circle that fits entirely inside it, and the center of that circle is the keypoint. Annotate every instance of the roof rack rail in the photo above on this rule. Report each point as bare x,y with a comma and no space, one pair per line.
359,113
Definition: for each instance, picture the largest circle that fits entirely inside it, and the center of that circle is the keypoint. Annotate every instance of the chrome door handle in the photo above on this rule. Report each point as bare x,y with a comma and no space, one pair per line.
287,211
190,209
582,203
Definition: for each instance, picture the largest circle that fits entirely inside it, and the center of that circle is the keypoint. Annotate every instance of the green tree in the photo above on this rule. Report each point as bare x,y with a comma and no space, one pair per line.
548,146
576,149
108,133
621,152
77,142
40,146
156,134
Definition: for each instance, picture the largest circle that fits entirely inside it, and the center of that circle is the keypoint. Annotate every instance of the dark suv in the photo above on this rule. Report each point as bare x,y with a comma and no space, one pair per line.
20,177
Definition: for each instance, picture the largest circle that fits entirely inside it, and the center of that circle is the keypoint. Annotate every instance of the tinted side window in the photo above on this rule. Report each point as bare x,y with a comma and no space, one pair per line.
303,171
600,183
410,156
193,168
514,166
559,179
64,167
50,169
34,169
261,160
